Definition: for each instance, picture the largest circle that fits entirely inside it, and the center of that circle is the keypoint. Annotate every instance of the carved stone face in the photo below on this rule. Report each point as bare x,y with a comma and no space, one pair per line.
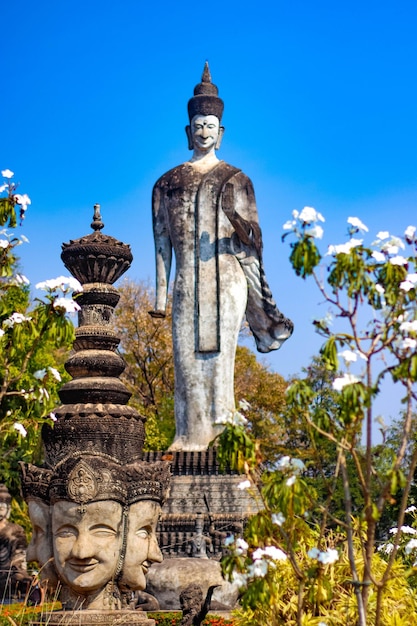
86,544
142,547
205,131
4,511
40,546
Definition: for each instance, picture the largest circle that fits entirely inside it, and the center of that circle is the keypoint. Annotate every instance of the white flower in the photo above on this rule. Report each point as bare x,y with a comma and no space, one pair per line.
298,465
386,547
409,326
244,405
278,519
22,199
289,225
43,394
24,239
344,248
393,245
1,332
69,306
39,374
4,187
283,462
411,509
356,223
313,553
241,545
380,420
258,569
411,545
316,231
258,554
348,356
275,553
232,417
21,279
55,373
7,173
379,289
328,557
410,232
309,215
383,234
378,256
290,481
322,624
4,243
398,260
295,214
244,485
16,318
62,282
20,429
407,530
408,344
346,379
53,417
409,283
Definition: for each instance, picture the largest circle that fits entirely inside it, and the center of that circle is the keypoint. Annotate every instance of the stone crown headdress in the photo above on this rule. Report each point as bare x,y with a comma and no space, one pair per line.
94,451
205,100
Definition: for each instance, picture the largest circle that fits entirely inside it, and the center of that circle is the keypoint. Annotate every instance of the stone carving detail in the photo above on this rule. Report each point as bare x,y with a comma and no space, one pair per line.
95,505
15,581
205,211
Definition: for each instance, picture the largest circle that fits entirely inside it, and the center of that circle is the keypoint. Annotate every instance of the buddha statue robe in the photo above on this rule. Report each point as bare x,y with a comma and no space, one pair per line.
210,220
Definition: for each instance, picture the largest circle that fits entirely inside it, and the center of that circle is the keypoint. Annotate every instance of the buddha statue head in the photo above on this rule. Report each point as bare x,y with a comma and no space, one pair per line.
205,110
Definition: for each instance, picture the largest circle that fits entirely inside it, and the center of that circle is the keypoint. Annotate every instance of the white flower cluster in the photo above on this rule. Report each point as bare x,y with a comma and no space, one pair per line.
406,343
342,381
328,557
235,417
40,374
22,200
64,283
307,217
406,530
16,318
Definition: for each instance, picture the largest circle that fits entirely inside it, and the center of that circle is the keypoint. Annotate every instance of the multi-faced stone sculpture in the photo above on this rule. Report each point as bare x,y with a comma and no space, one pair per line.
95,505
205,211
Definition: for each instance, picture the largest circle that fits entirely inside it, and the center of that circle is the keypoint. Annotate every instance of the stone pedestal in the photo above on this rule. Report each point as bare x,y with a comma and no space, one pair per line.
203,507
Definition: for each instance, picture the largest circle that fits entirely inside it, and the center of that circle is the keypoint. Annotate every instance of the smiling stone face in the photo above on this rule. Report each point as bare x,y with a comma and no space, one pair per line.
205,132
87,544
141,547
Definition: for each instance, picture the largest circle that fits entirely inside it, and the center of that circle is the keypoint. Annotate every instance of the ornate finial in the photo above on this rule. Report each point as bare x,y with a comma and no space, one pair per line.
206,100
97,224
206,77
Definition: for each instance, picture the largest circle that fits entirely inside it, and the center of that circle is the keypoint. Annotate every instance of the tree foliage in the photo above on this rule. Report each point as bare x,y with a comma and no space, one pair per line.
34,336
302,560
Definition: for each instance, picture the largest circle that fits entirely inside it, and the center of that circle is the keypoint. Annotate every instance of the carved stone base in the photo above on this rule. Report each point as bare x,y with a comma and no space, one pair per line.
95,618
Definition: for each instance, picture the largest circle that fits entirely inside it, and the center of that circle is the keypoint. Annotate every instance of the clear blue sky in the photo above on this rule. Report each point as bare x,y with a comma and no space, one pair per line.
320,110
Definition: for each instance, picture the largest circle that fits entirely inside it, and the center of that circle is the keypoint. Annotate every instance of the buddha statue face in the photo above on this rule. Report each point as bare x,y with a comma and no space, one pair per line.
141,547
204,133
87,542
